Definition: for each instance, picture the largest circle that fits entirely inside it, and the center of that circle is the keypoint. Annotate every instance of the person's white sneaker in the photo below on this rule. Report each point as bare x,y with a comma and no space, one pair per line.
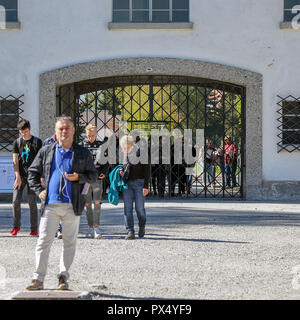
97,234
90,233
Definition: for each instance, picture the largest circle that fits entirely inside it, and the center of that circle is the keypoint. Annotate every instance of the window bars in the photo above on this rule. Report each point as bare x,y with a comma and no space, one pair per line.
10,110
289,124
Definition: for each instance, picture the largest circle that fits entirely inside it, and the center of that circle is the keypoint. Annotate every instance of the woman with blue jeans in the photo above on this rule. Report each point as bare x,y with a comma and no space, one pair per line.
137,178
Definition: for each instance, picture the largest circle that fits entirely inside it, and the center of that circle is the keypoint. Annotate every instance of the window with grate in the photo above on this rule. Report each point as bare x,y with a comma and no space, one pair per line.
289,124
291,9
10,110
150,10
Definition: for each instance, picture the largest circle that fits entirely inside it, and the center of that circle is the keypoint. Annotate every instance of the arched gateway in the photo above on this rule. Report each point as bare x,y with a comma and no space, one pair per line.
156,93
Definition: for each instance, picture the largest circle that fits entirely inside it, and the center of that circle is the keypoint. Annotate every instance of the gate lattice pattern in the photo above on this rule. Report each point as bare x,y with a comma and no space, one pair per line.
156,102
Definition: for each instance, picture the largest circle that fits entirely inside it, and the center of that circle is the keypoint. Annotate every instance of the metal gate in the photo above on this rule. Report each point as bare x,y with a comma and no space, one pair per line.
170,102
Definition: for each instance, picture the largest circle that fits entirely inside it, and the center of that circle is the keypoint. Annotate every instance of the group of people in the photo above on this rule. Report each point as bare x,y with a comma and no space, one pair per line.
67,178
182,175
173,173
226,157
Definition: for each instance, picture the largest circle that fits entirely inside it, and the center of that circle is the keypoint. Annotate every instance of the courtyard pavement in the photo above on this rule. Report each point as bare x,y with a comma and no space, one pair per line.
233,250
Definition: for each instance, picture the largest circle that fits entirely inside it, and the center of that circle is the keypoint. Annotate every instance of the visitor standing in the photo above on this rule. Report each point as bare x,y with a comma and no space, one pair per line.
25,148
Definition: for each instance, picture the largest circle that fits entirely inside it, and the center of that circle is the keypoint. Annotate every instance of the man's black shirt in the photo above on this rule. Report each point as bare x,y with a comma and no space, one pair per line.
27,150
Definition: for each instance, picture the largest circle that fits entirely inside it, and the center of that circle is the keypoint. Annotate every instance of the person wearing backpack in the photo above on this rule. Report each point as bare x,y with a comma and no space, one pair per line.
25,148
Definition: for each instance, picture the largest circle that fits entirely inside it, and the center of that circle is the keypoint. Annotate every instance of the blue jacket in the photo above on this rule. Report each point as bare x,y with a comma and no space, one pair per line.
82,163
116,185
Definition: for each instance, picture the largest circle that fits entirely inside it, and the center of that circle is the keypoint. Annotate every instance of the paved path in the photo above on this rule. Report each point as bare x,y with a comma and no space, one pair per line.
192,250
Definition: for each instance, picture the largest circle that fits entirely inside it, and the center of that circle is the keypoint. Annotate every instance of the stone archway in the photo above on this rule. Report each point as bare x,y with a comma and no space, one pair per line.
252,82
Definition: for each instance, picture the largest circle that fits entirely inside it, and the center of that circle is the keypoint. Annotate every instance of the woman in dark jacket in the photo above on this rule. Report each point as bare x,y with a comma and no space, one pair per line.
137,178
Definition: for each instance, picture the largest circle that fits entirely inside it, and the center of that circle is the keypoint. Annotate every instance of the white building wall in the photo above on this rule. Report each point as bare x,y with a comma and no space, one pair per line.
240,33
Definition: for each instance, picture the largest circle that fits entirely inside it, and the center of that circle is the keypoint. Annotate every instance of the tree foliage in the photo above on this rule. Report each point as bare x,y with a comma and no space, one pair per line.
171,106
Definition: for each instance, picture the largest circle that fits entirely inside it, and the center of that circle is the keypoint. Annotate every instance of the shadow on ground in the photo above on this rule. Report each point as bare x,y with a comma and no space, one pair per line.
168,217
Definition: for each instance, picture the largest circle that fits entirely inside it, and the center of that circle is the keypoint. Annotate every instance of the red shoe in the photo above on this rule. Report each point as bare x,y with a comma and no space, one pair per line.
33,233
14,231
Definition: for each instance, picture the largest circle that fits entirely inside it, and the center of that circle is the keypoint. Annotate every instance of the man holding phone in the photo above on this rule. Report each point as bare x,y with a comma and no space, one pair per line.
68,169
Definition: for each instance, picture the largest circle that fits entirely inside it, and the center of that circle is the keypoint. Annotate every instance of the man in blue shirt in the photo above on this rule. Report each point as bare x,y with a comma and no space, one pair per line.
60,188
68,169
46,142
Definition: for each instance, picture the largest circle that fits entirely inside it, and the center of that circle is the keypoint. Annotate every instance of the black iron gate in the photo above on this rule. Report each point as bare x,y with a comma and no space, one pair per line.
170,102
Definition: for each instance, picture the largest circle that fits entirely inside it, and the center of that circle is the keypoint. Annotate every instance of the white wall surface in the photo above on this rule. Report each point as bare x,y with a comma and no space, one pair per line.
241,33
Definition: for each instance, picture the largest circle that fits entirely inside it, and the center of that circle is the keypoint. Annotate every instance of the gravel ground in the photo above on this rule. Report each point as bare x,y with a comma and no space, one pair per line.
192,250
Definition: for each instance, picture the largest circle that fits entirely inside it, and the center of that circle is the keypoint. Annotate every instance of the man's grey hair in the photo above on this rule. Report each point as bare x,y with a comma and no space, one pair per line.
63,118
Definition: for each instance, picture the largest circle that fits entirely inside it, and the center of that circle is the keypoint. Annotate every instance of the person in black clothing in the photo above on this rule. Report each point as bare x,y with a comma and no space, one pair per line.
173,177
96,189
159,170
25,148
137,178
189,167
177,174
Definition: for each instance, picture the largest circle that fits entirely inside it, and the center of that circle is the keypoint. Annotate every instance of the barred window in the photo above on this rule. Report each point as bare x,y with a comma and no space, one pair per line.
150,10
289,13
9,116
289,124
